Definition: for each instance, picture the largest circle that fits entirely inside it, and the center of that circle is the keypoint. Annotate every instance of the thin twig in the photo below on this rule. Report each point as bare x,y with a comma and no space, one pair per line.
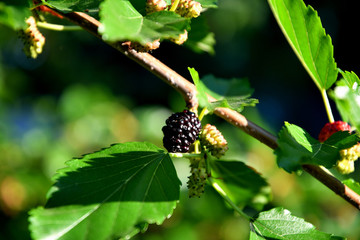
188,91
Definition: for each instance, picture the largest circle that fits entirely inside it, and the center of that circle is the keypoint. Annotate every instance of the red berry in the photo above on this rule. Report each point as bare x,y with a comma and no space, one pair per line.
331,128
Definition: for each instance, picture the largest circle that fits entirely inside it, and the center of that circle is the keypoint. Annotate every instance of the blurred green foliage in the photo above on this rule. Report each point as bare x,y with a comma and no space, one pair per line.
81,95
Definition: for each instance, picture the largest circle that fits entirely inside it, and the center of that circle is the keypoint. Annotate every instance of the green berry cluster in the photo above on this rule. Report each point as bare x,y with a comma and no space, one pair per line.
213,141
181,38
188,8
32,38
155,6
185,8
198,177
347,158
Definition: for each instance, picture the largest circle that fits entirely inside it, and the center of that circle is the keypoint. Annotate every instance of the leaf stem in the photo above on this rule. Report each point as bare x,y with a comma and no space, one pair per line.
227,199
203,112
57,27
174,5
327,105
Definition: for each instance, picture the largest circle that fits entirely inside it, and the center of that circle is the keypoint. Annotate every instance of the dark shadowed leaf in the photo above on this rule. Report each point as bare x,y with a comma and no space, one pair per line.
200,38
14,16
243,185
297,147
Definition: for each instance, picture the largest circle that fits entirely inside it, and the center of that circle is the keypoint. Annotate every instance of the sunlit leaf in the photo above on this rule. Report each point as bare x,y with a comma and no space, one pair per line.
120,188
201,94
347,100
230,93
121,21
73,5
279,223
351,80
303,29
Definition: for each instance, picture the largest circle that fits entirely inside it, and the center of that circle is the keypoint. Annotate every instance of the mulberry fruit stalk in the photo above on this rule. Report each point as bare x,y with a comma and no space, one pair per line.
212,139
180,131
345,164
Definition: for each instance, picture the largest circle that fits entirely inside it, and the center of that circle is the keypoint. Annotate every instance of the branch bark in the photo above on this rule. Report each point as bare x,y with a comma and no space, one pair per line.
188,91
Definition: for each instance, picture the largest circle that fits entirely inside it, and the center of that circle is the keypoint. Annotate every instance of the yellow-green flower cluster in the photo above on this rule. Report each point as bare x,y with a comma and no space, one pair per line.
347,158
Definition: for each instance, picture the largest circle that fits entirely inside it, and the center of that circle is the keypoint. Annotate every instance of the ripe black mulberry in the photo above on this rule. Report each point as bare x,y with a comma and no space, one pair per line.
181,130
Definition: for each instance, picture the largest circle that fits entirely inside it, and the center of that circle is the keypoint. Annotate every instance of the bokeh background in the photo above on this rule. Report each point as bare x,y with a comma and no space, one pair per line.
81,95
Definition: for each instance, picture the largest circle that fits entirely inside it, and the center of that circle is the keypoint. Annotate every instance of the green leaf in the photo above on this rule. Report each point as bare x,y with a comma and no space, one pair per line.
242,184
296,147
73,5
121,21
112,193
201,89
303,29
200,38
14,16
351,80
351,183
236,103
347,100
208,3
230,93
279,223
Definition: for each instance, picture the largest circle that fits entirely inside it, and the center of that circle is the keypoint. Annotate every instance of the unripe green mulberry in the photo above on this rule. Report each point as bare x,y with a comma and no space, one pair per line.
347,158
181,38
188,8
212,139
155,6
198,177
32,38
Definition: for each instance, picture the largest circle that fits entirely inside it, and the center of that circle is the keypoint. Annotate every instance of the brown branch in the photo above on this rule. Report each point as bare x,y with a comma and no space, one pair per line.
188,91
